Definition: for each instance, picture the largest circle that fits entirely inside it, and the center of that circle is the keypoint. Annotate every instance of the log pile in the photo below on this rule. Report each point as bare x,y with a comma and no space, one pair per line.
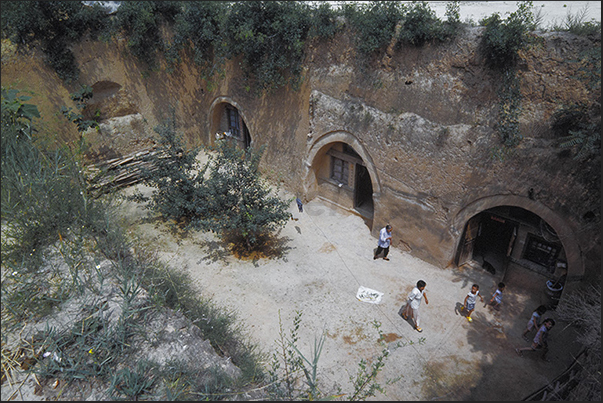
119,172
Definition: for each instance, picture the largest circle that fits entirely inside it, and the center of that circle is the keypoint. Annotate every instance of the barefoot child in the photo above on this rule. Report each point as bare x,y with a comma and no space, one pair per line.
470,301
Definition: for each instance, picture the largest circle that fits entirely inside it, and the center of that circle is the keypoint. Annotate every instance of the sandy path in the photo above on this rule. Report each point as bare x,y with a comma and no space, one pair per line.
327,256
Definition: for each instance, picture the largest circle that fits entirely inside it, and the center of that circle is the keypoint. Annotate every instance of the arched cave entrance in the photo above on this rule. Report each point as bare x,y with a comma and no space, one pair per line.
505,237
228,122
340,172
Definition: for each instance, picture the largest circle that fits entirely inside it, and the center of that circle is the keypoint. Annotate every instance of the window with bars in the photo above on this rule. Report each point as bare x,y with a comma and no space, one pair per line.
340,170
539,251
233,122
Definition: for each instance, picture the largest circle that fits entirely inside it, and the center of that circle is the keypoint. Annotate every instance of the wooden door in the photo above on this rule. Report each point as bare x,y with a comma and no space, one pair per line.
468,241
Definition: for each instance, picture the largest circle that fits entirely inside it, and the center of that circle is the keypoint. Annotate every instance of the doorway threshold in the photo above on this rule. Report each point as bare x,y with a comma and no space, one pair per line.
367,216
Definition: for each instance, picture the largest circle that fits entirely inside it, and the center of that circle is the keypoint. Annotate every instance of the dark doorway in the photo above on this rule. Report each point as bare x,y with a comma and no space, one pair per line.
468,243
363,190
494,235
246,136
488,240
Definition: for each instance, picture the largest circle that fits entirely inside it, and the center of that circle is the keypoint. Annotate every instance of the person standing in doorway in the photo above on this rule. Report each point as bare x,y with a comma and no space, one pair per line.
385,239
413,302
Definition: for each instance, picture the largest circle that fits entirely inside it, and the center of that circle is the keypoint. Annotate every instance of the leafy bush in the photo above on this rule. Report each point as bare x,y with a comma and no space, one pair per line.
141,22
55,25
240,202
179,193
421,25
324,22
502,39
44,195
270,37
198,28
232,201
374,23
81,99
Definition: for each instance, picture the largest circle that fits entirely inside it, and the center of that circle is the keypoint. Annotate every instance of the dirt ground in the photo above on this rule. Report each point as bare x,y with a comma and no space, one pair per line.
325,256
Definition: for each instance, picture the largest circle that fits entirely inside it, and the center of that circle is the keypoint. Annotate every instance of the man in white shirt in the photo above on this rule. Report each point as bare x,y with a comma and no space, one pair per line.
385,239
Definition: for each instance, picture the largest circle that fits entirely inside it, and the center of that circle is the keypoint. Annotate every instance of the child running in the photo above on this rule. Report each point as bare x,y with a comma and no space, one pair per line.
540,340
534,322
497,296
470,301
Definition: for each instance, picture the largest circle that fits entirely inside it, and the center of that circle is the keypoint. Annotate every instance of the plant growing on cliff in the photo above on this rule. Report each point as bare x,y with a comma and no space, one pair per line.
197,28
54,25
374,23
421,25
81,98
44,195
141,22
580,130
324,22
503,39
579,125
270,37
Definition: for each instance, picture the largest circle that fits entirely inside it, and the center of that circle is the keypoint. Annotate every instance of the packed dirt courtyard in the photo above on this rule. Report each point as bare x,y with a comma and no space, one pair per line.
325,255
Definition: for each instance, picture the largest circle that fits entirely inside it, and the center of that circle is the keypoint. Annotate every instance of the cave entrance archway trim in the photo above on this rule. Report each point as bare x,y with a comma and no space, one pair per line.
575,263
310,181
211,117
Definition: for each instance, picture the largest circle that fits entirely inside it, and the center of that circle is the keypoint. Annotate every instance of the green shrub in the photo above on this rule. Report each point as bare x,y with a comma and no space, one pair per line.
197,28
179,194
503,39
374,23
324,22
270,38
81,99
54,25
420,25
241,206
141,22
44,194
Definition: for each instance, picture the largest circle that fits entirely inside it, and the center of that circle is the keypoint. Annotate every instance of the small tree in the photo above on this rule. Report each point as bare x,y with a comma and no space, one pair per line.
503,39
179,193
240,203
232,200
